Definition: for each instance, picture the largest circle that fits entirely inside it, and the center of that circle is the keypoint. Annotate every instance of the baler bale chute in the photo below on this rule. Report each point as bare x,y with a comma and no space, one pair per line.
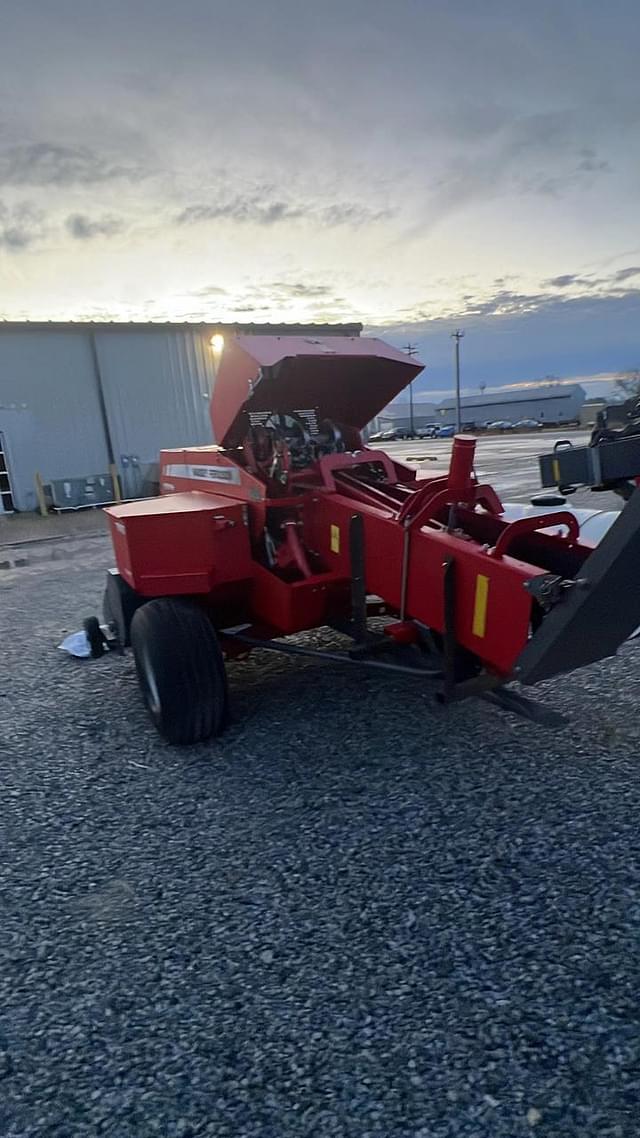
290,523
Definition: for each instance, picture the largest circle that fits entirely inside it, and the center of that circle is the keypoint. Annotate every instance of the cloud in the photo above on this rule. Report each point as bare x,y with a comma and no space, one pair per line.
84,228
49,164
563,183
21,226
626,274
277,300
209,290
563,281
260,208
300,291
590,161
282,299
315,295
352,215
606,285
515,159
540,335
504,302
503,307
243,209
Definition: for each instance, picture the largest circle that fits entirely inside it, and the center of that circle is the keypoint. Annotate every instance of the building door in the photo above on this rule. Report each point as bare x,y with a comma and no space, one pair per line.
6,499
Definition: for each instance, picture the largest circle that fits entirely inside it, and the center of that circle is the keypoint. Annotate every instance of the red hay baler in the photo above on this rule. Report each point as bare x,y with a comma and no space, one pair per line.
291,523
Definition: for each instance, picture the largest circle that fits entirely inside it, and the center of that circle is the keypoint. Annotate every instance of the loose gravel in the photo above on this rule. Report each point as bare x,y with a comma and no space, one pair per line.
357,914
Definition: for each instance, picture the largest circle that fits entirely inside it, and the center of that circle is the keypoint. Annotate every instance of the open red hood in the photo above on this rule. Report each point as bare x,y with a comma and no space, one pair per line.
344,378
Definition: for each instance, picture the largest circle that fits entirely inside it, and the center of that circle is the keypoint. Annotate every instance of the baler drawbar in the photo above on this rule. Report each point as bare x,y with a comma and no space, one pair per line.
290,523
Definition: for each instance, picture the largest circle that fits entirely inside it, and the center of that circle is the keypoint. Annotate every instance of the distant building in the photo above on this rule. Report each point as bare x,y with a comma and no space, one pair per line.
590,410
397,416
552,403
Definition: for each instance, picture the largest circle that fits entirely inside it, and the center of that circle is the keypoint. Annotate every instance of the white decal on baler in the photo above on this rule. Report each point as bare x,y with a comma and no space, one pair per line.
229,474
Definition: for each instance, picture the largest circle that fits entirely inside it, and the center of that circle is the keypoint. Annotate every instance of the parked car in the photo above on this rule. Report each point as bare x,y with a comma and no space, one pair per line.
383,437
446,432
500,425
428,432
527,424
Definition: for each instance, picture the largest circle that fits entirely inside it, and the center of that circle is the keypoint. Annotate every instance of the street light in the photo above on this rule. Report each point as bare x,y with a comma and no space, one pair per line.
457,336
411,350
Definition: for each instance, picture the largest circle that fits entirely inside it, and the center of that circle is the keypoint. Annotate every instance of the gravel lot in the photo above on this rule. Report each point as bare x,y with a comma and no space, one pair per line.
357,915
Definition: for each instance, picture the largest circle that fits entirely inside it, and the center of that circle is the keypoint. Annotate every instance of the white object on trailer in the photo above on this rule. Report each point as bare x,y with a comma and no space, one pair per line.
593,523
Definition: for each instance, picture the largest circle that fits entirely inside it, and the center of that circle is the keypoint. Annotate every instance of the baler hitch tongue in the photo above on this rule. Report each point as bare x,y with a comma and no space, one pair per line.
596,617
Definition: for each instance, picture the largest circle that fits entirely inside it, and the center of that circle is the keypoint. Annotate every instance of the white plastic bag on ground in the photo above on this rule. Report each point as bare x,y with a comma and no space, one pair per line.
76,644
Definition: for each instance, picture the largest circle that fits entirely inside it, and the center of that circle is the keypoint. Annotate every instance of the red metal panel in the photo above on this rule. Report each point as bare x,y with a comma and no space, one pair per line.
508,607
346,379
181,544
210,470
295,606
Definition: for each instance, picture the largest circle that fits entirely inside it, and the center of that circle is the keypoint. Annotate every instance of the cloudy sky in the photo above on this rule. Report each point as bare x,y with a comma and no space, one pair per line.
415,164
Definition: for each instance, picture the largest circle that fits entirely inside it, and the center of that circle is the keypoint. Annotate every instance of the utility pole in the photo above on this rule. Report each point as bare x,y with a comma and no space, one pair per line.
457,336
411,350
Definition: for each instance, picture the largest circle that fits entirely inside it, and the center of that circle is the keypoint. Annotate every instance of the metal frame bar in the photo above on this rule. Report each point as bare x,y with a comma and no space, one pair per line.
323,654
485,686
358,584
449,635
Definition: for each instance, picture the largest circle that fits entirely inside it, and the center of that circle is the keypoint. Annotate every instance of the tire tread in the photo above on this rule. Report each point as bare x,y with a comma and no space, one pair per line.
188,667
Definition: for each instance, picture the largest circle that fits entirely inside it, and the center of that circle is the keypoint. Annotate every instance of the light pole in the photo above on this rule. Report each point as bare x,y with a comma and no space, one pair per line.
457,336
411,350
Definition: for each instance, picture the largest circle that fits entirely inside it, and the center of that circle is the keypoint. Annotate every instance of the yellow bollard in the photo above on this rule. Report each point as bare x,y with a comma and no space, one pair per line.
42,502
113,471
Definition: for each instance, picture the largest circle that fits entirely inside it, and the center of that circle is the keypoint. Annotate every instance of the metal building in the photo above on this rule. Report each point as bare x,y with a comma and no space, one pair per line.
78,400
552,403
397,416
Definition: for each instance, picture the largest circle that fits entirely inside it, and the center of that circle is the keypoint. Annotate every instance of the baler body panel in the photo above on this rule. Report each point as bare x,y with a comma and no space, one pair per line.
346,379
211,470
295,606
492,618
187,543
208,470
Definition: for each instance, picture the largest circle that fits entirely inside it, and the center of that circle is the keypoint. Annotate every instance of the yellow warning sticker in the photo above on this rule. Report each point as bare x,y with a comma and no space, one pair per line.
479,626
555,467
335,539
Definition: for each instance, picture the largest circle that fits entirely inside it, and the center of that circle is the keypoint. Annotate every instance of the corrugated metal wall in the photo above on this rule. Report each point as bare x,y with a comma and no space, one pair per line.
156,388
49,409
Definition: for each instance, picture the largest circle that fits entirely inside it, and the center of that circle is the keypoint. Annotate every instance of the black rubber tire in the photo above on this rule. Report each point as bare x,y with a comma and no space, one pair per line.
181,670
95,636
